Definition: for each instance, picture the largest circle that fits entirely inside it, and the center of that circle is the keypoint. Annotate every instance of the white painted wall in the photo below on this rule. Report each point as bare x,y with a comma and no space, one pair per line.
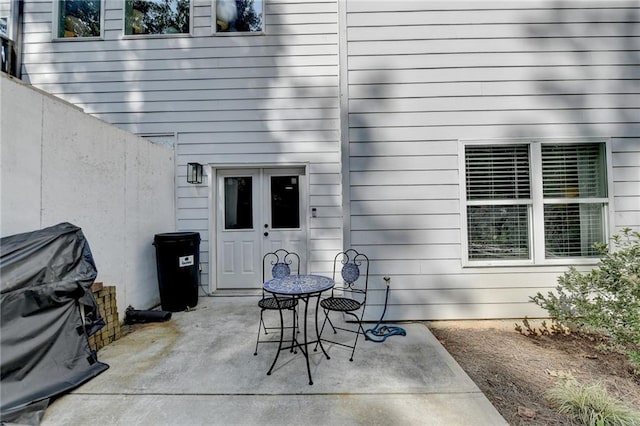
420,76
230,100
399,83
59,164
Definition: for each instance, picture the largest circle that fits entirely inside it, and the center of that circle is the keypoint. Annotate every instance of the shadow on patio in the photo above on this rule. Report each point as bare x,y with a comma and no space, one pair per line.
199,368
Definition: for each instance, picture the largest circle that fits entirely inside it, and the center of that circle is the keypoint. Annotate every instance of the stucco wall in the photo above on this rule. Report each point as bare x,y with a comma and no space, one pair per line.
59,164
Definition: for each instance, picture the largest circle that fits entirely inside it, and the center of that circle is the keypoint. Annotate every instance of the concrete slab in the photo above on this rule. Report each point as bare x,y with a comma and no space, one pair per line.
199,368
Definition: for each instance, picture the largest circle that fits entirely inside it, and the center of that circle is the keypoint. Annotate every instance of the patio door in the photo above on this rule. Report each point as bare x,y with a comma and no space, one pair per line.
258,210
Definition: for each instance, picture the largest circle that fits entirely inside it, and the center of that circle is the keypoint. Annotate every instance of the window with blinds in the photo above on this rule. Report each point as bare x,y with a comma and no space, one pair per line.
575,196
498,198
505,220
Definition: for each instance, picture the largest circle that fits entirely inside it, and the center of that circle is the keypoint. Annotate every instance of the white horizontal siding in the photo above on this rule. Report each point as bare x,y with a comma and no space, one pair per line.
557,85
406,76
270,98
297,83
488,31
509,60
463,131
474,70
360,15
626,182
453,70
500,103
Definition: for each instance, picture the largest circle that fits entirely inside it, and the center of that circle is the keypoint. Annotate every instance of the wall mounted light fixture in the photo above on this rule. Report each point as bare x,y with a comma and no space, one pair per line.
194,173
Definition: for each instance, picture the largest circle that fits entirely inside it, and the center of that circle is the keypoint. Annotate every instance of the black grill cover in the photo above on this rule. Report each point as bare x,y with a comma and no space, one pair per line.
47,312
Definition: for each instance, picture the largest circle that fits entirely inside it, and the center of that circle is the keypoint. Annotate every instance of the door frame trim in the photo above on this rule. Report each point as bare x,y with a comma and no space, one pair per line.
212,175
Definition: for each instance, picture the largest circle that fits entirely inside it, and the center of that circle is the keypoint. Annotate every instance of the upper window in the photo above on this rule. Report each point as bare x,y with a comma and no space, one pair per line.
534,201
244,16
157,17
4,26
79,18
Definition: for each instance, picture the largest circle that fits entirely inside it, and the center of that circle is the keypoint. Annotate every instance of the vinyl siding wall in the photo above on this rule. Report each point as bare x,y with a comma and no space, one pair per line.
225,100
399,84
423,75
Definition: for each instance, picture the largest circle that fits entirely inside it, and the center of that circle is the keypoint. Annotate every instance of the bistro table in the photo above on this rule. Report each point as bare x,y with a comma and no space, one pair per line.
301,287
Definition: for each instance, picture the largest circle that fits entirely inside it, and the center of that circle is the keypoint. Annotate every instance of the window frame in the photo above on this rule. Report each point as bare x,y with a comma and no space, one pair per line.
536,202
126,36
7,12
214,31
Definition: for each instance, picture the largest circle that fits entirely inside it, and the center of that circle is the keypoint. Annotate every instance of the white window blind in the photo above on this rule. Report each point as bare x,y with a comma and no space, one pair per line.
498,192
575,191
545,194
497,172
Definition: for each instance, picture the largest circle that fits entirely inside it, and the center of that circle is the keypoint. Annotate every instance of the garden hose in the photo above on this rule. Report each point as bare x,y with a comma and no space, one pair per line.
379,334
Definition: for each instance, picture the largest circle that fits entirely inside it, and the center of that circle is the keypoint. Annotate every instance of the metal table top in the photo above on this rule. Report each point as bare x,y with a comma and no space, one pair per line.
299,284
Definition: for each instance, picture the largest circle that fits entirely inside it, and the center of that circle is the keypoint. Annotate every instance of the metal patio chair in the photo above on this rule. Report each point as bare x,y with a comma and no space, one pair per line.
350,298
279,263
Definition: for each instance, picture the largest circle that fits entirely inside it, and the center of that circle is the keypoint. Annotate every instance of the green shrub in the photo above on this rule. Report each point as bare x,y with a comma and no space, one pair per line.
591,405
607,299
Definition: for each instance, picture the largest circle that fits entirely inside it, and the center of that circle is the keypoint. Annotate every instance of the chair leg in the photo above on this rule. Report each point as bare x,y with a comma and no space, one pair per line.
360,328
331,324
260,325
293,331
326,316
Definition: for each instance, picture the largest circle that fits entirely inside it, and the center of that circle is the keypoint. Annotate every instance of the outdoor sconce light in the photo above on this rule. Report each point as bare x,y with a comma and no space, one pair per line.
194,173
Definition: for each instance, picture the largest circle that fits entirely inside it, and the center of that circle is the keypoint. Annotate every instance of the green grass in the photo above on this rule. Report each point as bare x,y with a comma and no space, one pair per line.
592,405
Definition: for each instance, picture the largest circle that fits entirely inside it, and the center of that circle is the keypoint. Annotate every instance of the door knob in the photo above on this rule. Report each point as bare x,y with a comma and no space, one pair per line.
266,234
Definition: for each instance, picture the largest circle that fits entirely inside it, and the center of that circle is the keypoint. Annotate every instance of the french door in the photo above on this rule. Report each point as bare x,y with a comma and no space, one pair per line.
257,211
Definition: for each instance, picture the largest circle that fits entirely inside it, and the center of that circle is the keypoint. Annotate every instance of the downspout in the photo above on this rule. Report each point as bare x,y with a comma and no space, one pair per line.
343,82
18,18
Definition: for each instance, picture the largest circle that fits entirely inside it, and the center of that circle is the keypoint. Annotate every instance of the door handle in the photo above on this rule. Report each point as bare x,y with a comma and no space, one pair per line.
266,234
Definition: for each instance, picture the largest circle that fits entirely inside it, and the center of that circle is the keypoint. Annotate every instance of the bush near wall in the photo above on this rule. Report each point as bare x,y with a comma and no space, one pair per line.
106,300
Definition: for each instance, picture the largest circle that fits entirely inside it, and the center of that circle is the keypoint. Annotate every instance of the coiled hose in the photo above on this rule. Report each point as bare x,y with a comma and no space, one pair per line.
379,333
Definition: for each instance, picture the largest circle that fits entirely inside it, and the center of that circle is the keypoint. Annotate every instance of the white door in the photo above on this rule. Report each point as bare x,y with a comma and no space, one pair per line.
258,211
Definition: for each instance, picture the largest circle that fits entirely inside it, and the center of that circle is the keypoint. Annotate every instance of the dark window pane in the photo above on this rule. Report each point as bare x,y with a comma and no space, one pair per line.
285,201
238,203
239,16
156,17
570,230
79,18
498,232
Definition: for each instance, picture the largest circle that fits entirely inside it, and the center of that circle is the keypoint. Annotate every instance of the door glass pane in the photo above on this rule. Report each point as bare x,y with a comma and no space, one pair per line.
238,205
285,202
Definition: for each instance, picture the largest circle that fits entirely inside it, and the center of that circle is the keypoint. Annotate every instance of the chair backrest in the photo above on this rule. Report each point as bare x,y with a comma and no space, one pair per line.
280,263
353,268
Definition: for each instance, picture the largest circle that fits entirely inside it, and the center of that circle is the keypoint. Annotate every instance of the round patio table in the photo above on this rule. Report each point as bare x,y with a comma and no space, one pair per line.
301,287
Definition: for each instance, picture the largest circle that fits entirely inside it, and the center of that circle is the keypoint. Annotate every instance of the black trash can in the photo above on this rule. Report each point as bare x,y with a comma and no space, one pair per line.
178,261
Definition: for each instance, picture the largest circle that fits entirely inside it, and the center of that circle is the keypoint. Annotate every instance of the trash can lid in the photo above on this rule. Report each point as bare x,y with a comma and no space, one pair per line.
177,236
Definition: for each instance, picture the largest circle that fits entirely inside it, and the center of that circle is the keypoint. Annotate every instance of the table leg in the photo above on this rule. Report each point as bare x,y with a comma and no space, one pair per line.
281,337
306,349
319,342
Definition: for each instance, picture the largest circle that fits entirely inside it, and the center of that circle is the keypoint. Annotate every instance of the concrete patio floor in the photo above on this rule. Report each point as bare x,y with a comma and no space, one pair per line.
199,369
